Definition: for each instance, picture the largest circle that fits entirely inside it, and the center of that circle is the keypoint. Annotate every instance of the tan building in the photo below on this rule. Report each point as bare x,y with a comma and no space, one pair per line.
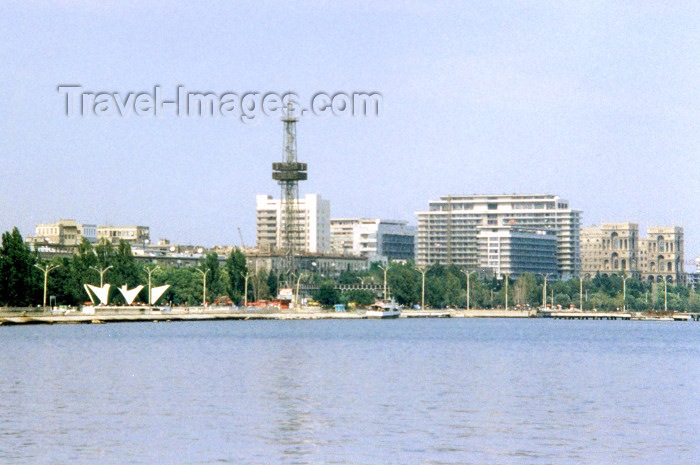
132,234
64,232
617,248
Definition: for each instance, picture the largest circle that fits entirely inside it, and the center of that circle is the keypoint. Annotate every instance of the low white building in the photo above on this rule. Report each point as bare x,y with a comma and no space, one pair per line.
373,238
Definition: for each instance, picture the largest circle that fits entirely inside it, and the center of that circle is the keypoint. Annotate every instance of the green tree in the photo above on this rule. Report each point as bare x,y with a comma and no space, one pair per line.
273,284
361,297
327,295
21,284
236,269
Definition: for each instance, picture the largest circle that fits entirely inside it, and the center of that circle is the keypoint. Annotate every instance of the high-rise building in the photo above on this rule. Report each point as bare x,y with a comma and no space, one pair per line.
448,231
617,248
313,215
514,251
373,238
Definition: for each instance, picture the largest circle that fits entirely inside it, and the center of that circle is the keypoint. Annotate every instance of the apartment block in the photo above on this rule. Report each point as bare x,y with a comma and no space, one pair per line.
514,251
448,232
64,232
373,238
131,234
312,221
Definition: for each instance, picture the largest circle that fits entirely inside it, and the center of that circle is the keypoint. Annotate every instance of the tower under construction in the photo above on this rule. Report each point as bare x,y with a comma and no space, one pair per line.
288,174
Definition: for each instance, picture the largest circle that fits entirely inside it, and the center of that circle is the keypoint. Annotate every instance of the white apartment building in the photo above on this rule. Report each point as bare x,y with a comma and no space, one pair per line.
313,220
373,238
514,251
448,230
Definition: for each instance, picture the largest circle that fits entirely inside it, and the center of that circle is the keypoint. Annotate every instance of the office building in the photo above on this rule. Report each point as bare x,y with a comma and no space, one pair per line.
65,233
131,234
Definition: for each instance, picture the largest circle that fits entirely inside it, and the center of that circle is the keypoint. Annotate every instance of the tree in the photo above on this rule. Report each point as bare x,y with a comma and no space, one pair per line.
361,297
327,295
236,268
273,284
21,282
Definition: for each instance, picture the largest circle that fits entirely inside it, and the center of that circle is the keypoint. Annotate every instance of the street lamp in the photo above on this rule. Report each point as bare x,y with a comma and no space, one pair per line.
580,292
467,274
204,286
149,271
46,270
506,275
422,289
102,272
624,292
296,297
385,268
544,292
245,287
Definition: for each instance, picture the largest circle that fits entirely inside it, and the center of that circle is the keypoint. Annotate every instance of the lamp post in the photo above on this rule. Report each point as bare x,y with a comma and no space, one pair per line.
204,286
506,275
624,292
422,287
580,292
149,271
467,274
385,268
296,297
46,270
102,272
544,292
665,297
245,288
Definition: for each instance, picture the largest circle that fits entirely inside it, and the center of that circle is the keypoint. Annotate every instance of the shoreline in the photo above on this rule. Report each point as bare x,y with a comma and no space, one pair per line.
130,315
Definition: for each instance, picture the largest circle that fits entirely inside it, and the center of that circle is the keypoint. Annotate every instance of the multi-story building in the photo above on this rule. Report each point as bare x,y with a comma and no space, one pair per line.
131,234
448,231
64,232
514,251
313,215
617,248
373,238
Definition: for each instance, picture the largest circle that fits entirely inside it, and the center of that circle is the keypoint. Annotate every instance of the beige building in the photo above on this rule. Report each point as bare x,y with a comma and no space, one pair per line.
64,232
131,234
618,248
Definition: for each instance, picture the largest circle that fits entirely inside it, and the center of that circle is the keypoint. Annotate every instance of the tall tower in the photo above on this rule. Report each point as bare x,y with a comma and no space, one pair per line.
288,174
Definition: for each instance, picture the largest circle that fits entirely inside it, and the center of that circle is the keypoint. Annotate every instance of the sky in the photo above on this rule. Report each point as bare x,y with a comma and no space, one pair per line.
597,102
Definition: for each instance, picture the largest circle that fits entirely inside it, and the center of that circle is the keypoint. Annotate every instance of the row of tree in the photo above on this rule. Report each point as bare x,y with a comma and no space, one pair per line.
21,283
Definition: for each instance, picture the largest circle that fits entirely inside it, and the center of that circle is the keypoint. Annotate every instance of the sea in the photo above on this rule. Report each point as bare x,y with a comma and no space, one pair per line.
407,391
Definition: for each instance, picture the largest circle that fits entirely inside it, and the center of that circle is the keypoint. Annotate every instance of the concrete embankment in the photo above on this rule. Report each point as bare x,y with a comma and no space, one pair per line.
199,314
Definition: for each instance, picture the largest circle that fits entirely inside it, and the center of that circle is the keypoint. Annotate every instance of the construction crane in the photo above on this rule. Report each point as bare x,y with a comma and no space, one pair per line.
241,236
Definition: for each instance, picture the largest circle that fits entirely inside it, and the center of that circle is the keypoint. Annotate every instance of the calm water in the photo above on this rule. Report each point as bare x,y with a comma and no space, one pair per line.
352,392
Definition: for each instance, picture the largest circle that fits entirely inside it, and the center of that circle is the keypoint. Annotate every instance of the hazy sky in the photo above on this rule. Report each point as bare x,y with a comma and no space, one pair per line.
596,101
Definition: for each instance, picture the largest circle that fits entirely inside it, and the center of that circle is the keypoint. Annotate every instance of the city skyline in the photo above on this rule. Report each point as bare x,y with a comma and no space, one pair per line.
598,104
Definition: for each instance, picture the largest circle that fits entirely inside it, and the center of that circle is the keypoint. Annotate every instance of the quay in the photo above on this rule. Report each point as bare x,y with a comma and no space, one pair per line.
33,316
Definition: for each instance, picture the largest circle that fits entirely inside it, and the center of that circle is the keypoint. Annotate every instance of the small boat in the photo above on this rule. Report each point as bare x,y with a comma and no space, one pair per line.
384,309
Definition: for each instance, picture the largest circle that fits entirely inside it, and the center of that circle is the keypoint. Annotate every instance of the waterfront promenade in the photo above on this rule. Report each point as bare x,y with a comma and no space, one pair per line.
144,314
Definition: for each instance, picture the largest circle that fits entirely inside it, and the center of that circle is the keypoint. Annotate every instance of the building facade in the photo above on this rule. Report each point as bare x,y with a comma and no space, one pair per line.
374,239
448,231
131,234
313,216
618,248
514,251
64,232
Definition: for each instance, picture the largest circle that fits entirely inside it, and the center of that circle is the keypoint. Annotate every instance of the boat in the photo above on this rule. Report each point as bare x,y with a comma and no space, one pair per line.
384,309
